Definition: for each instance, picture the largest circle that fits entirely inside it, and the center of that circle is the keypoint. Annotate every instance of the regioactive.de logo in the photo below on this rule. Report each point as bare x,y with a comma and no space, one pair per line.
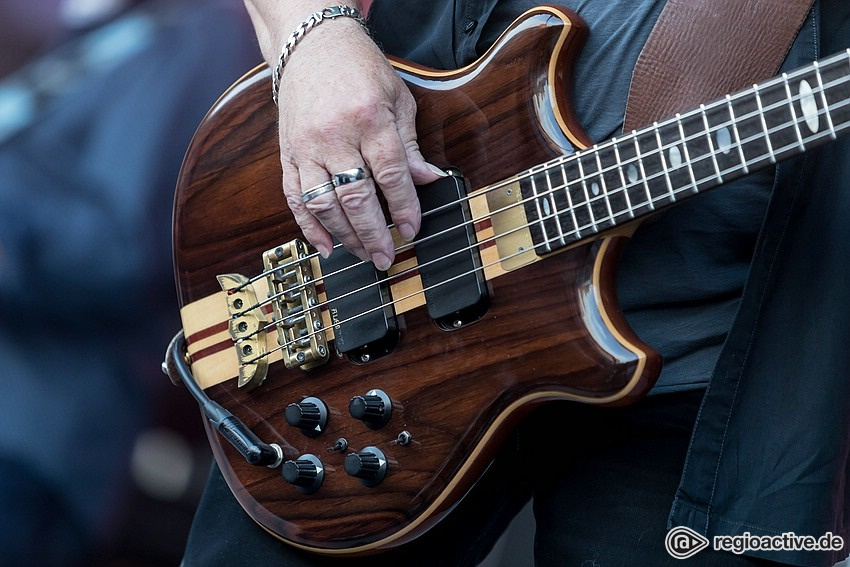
682,542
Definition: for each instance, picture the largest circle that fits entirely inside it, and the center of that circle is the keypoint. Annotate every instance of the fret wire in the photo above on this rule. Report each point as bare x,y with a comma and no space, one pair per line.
643,173
540,216
794,122
553,203
619,167
600,174
764,125
577,232
712,150
801,72
779,112
843,124
833,135
844,102
794,119
687,152
570,199
664,166
712,155
737,134
590,214
723,105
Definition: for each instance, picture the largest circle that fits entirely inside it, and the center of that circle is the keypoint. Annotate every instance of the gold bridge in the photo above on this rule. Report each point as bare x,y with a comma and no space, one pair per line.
297,317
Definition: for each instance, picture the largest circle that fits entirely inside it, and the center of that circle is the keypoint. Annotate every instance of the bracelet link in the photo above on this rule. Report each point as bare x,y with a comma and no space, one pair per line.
314,19
332,12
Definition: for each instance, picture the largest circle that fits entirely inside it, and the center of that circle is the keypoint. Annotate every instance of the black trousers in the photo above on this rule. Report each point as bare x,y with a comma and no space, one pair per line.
602,481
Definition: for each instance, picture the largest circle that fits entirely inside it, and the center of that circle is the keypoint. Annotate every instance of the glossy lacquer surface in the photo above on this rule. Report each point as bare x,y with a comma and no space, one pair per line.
552,331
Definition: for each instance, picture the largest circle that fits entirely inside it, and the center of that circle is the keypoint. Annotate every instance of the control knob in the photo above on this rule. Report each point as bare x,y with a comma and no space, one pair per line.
310,415
306,473
374,408
369,465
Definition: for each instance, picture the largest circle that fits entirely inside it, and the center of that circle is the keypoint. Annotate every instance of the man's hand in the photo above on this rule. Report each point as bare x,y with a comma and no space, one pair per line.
342,107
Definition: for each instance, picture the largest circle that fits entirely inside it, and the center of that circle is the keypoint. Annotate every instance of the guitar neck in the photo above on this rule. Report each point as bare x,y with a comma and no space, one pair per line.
578,196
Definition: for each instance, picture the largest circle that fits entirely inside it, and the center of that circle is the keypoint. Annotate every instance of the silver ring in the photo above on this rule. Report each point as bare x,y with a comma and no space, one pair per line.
349,176
319,189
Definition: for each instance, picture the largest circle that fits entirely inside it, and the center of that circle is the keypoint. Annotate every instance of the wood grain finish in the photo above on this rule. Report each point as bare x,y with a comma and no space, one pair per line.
553,331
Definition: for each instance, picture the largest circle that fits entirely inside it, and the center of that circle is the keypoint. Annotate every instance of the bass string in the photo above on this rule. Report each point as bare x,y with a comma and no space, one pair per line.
368,311
526,175
562,160
521,227
396,300
588,202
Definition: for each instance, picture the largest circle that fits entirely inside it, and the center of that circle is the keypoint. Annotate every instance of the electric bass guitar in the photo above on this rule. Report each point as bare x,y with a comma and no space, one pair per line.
351,409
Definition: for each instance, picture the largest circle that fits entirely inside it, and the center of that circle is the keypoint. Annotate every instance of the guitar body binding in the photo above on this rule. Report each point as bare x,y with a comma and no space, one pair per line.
546,330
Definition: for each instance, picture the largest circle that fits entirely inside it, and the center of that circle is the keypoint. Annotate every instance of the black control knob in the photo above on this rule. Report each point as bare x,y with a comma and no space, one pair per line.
374,409
306,473
369,465
310,415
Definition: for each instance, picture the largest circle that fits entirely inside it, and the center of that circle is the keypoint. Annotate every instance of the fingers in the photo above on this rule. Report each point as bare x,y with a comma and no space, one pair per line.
352,211
311,227
387,158
370,125
362,211
421,172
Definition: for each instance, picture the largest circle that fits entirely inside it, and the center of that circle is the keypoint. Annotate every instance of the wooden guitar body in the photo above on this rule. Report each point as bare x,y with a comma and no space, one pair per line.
552,329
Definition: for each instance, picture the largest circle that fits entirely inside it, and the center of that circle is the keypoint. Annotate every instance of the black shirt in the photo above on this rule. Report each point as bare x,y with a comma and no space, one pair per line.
681,277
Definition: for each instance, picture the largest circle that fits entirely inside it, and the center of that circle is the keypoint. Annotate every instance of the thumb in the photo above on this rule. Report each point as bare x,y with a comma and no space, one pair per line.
421,171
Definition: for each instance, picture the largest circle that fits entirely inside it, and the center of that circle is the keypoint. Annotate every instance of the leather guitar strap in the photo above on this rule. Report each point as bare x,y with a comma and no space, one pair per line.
700,50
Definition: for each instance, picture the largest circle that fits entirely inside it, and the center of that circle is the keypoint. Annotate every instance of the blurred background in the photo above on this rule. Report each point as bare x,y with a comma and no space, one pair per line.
102,460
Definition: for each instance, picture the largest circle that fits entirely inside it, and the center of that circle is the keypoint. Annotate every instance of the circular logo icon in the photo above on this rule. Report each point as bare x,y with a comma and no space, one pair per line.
682,542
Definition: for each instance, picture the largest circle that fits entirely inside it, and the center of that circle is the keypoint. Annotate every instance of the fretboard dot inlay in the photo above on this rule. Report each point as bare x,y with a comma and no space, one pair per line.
724,140
582,194
809,106
675,157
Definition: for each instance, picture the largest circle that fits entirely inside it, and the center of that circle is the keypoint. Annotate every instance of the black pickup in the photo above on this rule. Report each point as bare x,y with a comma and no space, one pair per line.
360,307
447,254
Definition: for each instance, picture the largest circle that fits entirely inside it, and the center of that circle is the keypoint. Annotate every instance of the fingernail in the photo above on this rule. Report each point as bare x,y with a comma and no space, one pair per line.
436,170
407,231
323,251
381,261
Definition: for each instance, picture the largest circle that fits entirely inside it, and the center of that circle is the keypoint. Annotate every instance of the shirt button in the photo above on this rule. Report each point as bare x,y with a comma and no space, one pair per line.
470,25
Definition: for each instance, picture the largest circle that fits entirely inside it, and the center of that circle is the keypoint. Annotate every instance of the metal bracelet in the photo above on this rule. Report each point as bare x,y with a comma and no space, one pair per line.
313,20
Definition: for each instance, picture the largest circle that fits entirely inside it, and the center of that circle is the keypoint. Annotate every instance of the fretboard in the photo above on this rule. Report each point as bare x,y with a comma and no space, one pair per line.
580,195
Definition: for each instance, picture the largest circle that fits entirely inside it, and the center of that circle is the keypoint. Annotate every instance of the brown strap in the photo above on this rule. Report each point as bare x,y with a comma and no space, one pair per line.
700,50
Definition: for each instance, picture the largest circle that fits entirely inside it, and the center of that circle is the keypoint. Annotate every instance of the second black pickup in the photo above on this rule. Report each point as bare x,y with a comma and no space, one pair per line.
447,254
